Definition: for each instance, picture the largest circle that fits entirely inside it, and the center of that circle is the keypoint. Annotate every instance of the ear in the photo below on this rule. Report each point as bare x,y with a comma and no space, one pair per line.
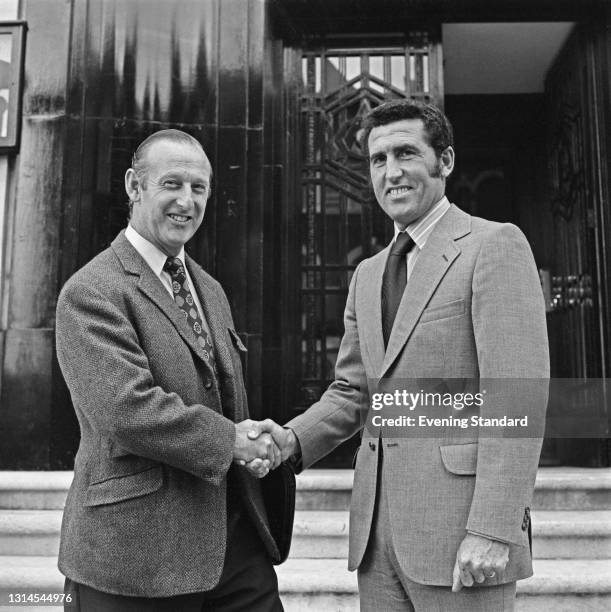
132,185
446,162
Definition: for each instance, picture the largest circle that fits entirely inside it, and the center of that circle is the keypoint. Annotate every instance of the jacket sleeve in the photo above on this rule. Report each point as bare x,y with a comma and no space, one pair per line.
513,357
111,385
342,409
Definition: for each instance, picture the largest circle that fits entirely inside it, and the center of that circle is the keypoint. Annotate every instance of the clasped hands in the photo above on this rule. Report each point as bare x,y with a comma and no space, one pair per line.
260,446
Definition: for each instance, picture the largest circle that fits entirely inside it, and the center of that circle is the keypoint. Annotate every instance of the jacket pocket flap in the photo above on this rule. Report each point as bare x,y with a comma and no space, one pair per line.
443,311
459,459
236,340
124,487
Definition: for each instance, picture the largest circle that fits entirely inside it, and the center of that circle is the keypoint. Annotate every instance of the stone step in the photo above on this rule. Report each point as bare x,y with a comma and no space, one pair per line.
29,532
556,534
571,534
563,488
323,534
556,489
326,585
568,488
34,490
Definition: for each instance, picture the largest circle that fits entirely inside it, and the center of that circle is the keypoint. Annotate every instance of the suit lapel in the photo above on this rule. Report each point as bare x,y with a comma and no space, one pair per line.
431,266
372,307
153,289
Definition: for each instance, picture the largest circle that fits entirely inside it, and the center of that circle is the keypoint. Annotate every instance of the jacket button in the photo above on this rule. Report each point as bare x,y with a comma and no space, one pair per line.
372,446
526,519
208,384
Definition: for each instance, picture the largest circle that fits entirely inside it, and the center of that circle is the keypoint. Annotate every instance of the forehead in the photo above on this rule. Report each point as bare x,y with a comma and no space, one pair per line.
167,156
405,131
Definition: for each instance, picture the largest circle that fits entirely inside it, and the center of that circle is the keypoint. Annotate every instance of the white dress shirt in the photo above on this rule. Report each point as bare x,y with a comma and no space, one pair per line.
156,260
420,230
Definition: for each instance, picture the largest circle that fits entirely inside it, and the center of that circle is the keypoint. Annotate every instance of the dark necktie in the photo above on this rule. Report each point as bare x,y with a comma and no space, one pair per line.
184,300
394,281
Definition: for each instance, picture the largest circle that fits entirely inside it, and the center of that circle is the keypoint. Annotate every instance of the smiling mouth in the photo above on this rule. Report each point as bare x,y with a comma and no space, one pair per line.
398,191
179,218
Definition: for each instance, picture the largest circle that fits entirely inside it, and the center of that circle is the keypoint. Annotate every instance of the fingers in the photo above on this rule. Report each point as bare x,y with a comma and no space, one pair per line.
258,467
277,457
465,576
456,583
255,429
478,575
277,442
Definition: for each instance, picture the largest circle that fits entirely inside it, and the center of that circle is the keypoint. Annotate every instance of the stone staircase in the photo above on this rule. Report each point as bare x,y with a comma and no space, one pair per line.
571,524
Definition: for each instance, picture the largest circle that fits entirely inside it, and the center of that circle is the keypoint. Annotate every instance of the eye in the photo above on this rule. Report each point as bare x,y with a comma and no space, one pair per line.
407,154
170,183
200,188
377,160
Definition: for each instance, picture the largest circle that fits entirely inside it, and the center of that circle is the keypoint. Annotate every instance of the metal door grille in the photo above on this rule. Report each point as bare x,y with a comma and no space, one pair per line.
339,220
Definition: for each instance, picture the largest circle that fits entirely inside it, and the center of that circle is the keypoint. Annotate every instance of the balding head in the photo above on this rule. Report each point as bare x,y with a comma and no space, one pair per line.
140,157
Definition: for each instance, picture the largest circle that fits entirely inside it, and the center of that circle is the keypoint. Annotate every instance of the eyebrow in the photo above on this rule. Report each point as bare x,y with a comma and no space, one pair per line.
397,149
180,174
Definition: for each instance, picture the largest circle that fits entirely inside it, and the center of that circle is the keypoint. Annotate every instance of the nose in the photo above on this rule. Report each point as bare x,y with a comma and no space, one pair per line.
185,197
393,168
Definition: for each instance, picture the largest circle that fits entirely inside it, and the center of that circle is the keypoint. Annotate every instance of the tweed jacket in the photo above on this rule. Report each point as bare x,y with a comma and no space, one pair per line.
146,512
472,310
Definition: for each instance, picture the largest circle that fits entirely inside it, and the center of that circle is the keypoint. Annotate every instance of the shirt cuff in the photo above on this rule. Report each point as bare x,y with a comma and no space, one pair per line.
295,459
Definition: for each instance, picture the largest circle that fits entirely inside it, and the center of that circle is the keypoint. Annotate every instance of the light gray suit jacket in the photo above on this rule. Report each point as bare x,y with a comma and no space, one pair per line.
472,309
146,512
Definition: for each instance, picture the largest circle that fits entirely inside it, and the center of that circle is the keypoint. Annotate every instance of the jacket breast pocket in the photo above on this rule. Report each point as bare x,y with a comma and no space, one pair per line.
459,459
237,342
121,488
239,347
443,311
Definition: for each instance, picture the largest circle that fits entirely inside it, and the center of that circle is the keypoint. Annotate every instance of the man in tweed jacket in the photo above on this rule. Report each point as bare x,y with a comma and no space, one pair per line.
160,516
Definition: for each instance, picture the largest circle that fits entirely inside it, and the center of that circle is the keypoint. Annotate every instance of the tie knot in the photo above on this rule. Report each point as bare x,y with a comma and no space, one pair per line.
403,244
174,267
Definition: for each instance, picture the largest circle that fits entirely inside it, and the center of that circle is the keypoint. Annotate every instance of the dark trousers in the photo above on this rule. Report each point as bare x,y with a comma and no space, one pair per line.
248,583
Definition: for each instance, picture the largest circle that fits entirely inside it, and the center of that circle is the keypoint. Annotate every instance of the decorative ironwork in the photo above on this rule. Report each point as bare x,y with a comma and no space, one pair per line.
571,291
575,317
566,162
340,222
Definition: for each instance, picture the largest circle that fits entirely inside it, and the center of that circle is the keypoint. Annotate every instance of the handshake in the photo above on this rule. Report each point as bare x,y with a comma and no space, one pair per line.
261,446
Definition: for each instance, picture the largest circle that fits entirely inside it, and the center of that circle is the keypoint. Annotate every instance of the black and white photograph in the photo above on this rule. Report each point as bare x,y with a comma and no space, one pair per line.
305,305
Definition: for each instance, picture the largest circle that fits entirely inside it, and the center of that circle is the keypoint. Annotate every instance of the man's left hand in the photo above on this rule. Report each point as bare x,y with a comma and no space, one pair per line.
478,558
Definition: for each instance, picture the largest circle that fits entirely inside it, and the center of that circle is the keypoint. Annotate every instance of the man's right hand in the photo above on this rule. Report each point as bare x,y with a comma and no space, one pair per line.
284,445
284,438
251,443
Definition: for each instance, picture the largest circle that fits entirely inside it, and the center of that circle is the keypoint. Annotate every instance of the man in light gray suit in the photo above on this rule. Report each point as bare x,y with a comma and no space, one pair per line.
452,297
159,515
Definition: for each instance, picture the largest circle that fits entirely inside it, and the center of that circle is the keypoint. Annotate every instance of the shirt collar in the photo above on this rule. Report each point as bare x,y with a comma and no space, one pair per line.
154,257
421,229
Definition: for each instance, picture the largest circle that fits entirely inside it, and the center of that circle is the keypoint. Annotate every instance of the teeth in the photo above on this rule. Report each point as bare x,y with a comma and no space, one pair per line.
180,218
399,190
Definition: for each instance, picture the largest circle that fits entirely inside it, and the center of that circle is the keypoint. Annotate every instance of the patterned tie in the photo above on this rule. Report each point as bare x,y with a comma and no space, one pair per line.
184,300
394,282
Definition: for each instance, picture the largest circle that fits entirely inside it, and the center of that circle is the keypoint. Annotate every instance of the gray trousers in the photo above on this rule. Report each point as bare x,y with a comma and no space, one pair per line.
383,586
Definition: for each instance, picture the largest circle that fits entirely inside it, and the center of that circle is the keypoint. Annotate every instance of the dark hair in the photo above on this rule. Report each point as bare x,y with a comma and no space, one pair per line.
436,125
139,157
